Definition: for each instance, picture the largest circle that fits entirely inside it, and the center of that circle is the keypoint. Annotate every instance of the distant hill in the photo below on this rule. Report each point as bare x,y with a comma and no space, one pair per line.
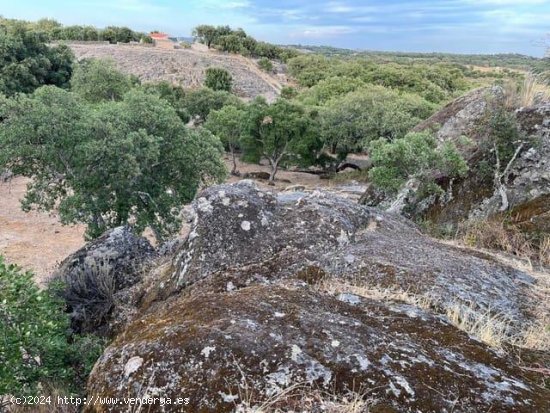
185,67
509,60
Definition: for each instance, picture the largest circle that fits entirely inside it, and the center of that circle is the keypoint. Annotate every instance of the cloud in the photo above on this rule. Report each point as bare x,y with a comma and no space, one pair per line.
319,32
134,5
235,4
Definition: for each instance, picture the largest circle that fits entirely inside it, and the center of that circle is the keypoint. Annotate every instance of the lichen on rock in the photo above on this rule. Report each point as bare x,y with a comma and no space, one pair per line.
239,316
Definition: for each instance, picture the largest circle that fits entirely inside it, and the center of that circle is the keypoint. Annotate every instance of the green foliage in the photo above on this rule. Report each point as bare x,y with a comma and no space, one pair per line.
435,83
36,348
104,164
504,133
416,155
26,62
228,125
288,92
349,123
282,132
330,88
237,41
265,64
308,70
54,30
209,34
231,43
98,80
218,79
175,95
200,102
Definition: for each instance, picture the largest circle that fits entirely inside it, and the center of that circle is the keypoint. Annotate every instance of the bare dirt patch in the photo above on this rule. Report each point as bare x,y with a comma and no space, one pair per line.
36,241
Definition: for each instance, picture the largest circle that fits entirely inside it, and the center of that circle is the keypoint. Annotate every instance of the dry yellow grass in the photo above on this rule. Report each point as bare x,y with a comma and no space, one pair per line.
491,328
527,92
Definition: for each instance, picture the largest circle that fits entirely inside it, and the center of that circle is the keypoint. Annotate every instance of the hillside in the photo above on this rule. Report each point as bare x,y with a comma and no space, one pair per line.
184,66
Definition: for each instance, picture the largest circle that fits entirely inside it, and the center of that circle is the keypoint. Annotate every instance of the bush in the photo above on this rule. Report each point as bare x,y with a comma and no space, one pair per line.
265,64
200,102
218,79
37,349
288,92
98,80
414,156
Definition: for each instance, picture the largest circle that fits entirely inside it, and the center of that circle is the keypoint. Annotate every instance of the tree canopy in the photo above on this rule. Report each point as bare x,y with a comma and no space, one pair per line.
282,133
105,165
26,62
228,124
349,123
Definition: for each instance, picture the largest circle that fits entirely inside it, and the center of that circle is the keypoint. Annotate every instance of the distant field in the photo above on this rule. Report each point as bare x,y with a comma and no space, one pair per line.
509,60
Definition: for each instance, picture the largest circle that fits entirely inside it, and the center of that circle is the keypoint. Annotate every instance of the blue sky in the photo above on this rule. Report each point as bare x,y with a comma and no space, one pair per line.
463,26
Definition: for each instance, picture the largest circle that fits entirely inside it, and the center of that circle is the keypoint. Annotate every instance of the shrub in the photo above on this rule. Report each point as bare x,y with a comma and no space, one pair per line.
218,79
200,102
265,64
416,155
288,92
98,80
37,349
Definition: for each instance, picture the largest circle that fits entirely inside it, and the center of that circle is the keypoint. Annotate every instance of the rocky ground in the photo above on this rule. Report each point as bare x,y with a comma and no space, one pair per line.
267,294
185,66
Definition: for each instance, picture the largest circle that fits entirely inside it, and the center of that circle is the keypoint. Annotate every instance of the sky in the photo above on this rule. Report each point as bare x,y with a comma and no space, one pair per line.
459,26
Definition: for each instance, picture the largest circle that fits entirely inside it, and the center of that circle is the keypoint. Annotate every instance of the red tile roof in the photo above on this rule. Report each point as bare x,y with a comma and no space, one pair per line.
159,36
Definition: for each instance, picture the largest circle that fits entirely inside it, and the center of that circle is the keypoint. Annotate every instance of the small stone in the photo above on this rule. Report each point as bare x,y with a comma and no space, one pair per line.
245,225
132,365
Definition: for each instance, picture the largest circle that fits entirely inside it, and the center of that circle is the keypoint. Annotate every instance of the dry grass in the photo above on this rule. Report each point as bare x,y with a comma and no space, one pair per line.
333,286
494,329
527,93
306,399
498,235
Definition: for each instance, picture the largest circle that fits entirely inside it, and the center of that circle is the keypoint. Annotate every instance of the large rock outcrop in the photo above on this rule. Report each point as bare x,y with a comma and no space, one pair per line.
527,182
243,316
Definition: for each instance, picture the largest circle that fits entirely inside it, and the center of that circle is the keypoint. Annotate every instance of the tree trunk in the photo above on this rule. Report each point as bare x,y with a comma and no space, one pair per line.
274,167
234,171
